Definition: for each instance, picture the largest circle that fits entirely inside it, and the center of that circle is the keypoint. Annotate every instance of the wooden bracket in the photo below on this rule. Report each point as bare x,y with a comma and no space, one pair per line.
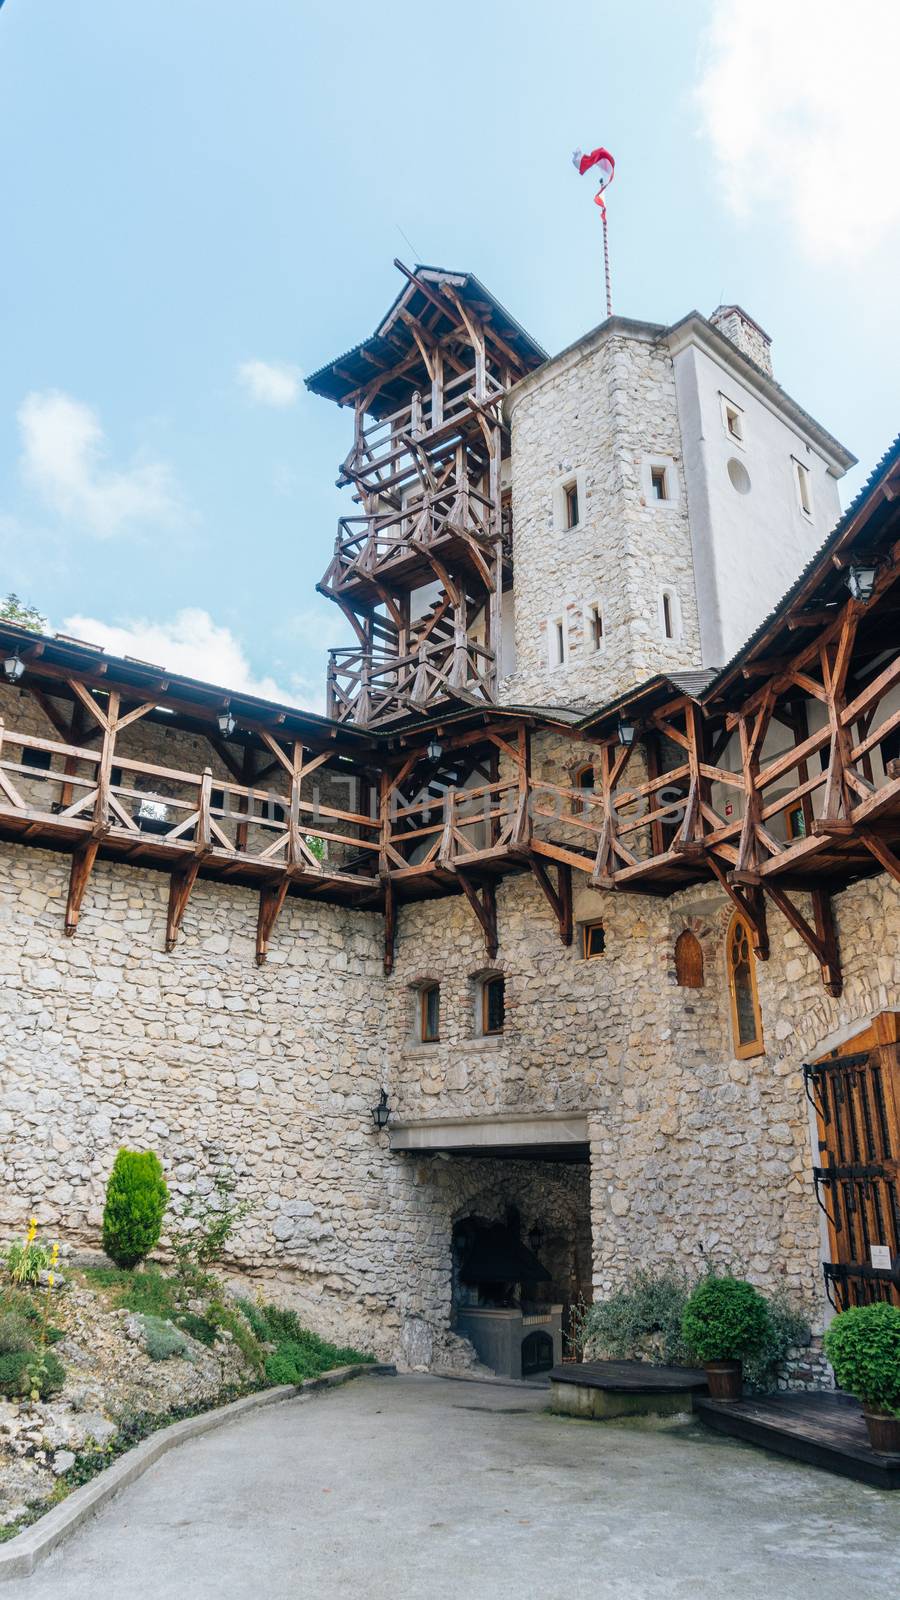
558,898
82,866
271,900
485,909
822,941
882,853
181,883
750,902
390,925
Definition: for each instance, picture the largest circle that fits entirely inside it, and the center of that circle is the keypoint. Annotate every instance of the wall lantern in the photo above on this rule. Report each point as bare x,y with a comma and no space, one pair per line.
13,668
226,723
381,1113
860,580
626,732
434,751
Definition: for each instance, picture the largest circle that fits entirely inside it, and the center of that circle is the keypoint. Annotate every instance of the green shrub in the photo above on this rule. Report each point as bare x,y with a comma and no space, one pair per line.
643,1319
298,1352
162,1340
15,1378
238,1326
15,1333
136,1198
200,1328
725,1319
863,1346
787,1329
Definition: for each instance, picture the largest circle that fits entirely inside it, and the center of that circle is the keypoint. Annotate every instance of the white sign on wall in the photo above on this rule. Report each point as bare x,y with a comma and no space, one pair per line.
881,1255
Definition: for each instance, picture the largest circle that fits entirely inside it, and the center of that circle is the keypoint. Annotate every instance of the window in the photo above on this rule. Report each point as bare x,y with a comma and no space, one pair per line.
40,759
594,626
804,491
688,961
492,1005
430,1013
796,823
659,483
746,1023
669,615
733,418
570,504
584,780
557,643
738,475
593,940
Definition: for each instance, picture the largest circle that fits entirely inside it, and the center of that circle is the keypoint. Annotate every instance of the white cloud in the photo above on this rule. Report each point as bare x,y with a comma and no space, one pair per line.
63,459
269,383
193,644
798,100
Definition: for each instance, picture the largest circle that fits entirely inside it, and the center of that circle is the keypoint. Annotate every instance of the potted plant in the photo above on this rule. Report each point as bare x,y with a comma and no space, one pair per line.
863,1346
725,1321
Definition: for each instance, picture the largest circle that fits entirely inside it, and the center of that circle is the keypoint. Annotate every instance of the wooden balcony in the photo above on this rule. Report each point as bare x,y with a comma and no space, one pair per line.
373,687
452,527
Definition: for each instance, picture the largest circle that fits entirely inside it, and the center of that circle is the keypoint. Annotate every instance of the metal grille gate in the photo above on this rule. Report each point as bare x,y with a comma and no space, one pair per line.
857,1104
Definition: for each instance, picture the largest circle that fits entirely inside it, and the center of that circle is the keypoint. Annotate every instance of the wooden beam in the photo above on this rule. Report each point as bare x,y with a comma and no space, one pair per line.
79,874
559,898
271,900
390,926
485,909
822,940
180,885
882,853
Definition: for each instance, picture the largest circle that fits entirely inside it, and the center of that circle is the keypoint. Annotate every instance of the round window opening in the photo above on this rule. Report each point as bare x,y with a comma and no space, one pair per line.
739,475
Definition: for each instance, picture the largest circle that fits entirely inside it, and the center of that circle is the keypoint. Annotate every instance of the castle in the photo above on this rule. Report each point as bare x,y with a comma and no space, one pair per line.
566,943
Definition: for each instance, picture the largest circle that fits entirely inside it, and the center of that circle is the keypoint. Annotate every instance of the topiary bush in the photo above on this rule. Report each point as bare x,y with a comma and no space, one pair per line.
725,1319
863,1346
136,1199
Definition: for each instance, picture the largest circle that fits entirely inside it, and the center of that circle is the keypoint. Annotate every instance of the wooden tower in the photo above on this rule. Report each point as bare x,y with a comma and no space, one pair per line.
419,570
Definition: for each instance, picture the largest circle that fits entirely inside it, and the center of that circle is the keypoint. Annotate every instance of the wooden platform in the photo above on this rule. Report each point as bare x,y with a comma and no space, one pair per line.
824,1430
604,1389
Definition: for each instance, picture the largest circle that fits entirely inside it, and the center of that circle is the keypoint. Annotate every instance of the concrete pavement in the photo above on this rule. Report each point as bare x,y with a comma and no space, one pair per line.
427,1487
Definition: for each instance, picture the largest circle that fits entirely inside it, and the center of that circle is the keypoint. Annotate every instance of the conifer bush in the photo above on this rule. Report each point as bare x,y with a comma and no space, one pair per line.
136,1199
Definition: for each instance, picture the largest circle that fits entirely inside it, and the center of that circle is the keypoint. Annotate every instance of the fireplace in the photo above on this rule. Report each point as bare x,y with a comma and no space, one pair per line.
495,1279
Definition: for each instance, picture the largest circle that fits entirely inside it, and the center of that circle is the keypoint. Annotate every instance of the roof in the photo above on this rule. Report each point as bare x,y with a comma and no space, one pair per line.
338,379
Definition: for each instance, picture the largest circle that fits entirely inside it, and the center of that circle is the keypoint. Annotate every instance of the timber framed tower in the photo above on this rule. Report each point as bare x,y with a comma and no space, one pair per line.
420,569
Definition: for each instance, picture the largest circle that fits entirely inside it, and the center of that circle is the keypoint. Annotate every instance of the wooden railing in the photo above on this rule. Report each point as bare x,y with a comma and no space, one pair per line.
370,687
380,457
369,547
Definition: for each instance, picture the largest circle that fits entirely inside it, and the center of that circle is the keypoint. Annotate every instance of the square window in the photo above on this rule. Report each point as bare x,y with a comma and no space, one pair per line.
659,483
593,940
430,1013
492,1005
570,504
39,759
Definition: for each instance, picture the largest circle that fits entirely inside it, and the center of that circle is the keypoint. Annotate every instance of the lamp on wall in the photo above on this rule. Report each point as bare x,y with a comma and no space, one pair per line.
626,731
226,723
860,580
382,1112
13,668
434,751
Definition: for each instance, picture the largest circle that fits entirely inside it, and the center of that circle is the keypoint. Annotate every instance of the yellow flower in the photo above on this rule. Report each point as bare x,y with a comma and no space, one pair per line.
54,1255
49,1280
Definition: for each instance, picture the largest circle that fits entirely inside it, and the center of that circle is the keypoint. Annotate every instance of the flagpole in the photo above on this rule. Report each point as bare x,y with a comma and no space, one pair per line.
606,266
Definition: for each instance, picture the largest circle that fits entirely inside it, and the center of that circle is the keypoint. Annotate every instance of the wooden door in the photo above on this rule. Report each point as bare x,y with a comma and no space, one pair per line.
855,1091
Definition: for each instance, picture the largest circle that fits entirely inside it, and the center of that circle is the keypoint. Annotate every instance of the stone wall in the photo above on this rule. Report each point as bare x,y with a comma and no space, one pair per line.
601,413
696,1156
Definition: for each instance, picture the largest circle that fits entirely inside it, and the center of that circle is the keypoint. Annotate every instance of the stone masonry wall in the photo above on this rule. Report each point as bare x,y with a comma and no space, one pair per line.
602,414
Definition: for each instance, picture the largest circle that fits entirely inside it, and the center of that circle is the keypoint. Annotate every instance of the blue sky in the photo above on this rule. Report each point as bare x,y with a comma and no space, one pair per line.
203,200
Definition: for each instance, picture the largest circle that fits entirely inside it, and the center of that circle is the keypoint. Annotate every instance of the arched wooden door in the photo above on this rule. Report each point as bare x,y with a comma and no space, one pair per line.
855,1091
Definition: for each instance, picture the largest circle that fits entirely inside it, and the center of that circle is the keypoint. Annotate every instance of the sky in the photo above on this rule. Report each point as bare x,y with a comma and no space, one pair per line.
202,201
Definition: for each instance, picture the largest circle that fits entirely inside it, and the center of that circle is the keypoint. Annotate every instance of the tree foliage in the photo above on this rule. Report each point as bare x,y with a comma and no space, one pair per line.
136,1199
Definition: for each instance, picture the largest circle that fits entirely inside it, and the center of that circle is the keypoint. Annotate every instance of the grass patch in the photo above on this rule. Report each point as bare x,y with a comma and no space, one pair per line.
146,1291
298,1353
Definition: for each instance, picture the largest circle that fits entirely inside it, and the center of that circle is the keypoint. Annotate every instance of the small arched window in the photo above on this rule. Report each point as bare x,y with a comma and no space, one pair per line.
688,961
746,1023
585,783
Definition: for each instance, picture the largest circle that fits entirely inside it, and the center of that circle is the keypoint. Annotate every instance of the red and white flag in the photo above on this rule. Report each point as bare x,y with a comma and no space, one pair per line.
605,170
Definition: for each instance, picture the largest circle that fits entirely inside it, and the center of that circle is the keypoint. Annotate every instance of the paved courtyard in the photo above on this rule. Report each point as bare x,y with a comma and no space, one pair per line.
420,1486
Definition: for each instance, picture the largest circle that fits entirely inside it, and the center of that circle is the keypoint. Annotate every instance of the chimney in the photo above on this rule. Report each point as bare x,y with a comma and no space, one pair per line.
746,334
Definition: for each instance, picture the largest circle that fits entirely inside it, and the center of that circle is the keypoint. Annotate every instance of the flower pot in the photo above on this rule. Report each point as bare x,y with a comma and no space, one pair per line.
725,1379
884,1432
